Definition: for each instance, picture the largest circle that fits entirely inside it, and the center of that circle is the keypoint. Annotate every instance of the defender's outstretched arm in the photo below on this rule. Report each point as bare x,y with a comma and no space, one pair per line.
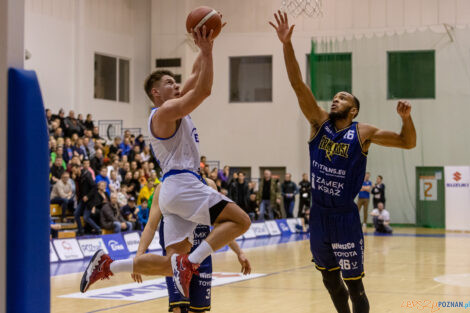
406,139
311,110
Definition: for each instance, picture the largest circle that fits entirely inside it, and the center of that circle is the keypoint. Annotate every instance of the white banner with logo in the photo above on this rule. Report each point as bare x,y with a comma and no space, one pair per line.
260,229
457,186
52,255
295,225
68,249
249,233
132,241
273,228
90,246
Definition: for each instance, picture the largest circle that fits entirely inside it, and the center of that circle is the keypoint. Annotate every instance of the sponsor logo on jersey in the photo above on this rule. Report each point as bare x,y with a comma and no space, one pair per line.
333,148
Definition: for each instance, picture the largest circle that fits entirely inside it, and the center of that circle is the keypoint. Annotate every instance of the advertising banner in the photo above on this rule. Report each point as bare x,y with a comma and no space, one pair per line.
457,189
260,229
116,245
68,249
132,241
91,245
273,228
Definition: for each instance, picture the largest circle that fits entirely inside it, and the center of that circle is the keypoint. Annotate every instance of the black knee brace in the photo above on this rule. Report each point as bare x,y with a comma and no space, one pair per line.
358,296
338,292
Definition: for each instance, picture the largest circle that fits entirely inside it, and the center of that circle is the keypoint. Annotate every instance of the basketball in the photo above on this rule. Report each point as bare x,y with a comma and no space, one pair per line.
204,16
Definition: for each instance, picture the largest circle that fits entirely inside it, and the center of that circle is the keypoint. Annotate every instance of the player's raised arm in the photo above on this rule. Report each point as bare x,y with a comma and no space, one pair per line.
406,139
311,110
175,109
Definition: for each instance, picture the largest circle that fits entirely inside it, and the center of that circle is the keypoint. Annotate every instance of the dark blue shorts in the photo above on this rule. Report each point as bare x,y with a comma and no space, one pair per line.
199,290
337,241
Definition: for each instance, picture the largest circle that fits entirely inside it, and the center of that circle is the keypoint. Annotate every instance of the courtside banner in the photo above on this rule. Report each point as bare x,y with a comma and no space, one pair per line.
90,246
283,227
116,245
151,289
273,228
52,255
457,190
260,229
68,249
294,225
132,241
249,233
155,244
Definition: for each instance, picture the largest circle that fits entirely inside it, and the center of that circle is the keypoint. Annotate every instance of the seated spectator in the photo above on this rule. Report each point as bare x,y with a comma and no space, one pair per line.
224,175
98,199
86,166
58,152
115,147
57,170
71,125
103,177
381,218
139,141
96,162
122,196
252,207
132,153
79,149
88,123
126,168
113,167
130,211
62,194
134,166
125,147
89,146
143,214
111,218
145,155
146,192
80,122
114,182
68,150
142,177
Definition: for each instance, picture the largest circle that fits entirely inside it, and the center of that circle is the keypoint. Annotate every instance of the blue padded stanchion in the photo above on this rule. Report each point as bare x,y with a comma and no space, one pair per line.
28,226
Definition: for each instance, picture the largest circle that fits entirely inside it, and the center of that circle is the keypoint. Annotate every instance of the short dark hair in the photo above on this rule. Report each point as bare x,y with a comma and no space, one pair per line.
380,177
357,104
153,78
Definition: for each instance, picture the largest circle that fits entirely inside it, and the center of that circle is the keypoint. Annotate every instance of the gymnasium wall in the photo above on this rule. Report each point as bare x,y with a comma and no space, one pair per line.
275,133
63,35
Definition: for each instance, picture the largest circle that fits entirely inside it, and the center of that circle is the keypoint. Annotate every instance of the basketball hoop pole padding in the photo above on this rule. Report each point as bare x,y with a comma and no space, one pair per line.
28,221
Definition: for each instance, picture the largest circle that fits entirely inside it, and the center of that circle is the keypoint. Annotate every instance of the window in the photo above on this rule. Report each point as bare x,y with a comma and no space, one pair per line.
332,74
112,78
251,79
411,74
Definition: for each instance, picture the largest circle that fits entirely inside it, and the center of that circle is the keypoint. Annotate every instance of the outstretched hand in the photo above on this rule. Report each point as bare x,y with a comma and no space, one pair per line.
404,109
284,32
203,39
246,266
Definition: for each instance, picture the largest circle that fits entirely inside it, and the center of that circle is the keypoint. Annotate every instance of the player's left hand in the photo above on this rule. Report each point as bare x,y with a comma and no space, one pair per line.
136,277
223,23
404,109
246,266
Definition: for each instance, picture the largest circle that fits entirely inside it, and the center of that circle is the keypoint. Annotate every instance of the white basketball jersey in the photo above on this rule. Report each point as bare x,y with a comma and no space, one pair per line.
178,152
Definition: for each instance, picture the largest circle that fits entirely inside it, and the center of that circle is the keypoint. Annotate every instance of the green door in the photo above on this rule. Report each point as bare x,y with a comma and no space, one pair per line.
430,197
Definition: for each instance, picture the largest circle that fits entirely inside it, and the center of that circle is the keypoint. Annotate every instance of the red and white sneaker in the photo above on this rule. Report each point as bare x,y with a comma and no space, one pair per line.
183,271
97,269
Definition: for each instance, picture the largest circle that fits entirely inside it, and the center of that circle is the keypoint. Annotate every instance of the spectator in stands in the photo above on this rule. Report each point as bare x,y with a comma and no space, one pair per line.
288,191
86,166
71,125
80,122
103,177
224,175
80,150
213,174
132,154
96,162
85,190
92,213
127,134
143,214
126,168
268,196
146,192
130,212
89,143
62,194
238,192
381,218
111,217
304,195
364,196
252,208
251,187
75,160
58,152
68,150
89,122
58,131
113,167
203,163
122,196
139,141
115,148
125,147
142,178
378,190
57,170
232,179
96,136
61,117
145,154
114,182
134,166
48,117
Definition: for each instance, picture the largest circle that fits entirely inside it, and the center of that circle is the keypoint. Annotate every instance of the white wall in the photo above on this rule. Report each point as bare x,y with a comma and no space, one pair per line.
63,37
275,134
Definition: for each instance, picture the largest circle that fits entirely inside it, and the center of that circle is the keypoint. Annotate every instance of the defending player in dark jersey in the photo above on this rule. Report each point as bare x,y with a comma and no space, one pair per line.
200,287
338,156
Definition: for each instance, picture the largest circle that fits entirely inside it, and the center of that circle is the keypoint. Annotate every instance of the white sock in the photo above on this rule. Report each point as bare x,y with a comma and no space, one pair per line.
120,266
201,252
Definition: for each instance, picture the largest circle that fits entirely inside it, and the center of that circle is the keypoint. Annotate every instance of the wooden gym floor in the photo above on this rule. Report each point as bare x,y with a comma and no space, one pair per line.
400,271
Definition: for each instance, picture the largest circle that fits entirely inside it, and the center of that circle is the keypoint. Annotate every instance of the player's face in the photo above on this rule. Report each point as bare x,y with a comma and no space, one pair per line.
343,103
168,88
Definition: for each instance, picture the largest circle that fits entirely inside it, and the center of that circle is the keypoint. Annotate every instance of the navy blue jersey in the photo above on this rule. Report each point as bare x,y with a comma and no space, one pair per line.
337,166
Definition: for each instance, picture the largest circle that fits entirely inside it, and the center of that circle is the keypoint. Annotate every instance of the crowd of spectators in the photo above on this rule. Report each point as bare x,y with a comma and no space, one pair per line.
109,185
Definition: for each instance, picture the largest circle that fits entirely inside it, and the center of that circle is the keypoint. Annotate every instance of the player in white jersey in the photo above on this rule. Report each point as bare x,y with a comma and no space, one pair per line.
185,199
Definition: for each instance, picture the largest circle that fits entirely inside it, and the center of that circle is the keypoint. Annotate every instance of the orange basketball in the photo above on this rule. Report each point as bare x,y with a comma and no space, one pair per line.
204,16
